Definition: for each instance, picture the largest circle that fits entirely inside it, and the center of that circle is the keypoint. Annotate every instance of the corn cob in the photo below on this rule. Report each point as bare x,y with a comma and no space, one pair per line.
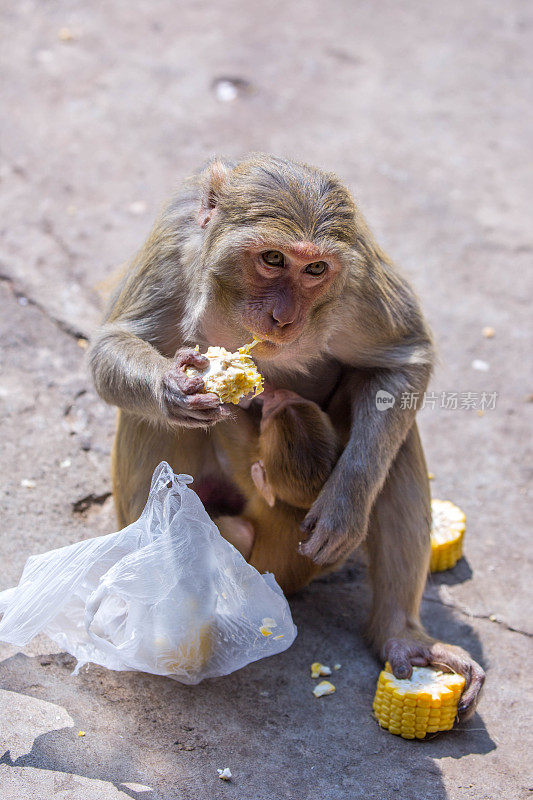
448,525
424,703
230,375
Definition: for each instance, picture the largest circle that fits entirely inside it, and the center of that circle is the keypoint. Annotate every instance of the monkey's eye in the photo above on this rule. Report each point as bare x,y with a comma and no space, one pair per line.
273,258
316,268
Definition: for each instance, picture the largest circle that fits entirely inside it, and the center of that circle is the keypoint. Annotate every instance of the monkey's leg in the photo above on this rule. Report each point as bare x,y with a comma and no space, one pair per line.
139,447
275,548
398,545
399,549
238,531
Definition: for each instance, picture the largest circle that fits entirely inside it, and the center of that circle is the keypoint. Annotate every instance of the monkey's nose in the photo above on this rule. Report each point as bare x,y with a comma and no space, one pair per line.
281,320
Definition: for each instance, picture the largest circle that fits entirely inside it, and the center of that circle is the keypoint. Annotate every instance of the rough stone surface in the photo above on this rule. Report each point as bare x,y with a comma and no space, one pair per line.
423,109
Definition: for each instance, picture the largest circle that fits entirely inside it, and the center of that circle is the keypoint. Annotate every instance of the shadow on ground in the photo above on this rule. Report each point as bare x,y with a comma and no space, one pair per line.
461,573
263,721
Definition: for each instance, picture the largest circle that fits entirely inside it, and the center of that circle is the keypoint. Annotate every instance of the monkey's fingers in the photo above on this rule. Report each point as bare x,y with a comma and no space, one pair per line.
199,402
455,659
307,547
187,357
323,547
471,695
177,381
327,543
309,523
202,418
189,385
404,654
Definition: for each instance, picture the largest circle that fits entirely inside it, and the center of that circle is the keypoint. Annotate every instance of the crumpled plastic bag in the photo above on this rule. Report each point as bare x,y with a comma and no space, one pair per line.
166,595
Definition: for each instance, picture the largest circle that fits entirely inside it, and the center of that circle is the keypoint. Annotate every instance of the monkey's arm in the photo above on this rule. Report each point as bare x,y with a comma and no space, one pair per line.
397,360
133,375
137,356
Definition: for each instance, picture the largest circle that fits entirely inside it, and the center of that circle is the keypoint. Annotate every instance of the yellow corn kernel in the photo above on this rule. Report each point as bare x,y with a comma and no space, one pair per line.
447,532
319,670
435,695
230,375
322,688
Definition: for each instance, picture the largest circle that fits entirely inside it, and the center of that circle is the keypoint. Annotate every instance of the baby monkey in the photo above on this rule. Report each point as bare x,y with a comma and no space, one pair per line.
291,457
298,448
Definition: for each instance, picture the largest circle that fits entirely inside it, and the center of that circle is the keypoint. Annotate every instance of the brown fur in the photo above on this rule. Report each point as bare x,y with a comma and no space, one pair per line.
337,340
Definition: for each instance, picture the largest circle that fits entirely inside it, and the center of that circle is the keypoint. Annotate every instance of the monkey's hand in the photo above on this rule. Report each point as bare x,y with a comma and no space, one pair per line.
405,653
183,400
335,525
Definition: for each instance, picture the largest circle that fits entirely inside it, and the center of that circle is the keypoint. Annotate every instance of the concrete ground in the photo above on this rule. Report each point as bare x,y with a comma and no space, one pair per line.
423,109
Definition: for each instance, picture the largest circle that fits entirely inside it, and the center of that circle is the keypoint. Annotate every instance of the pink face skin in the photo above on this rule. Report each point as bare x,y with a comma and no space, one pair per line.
280,296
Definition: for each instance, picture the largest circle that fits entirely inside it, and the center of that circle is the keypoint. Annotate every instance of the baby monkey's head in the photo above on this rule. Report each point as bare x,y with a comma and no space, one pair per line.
298,449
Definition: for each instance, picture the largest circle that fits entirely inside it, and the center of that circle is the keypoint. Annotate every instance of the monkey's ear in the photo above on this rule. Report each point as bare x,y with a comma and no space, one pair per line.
261,483
213,179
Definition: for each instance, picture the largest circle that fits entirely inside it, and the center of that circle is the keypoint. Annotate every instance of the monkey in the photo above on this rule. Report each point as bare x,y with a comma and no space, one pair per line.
298,448
279,250
287,460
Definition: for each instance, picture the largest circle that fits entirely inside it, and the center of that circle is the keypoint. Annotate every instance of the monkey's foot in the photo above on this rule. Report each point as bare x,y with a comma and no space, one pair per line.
238,532
405,653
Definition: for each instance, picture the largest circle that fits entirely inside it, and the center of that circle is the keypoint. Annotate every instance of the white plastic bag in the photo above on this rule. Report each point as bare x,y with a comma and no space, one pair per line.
166,595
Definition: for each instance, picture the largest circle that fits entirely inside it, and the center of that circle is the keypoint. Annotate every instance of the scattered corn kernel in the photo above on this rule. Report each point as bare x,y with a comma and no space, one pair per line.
318,669
424,703
81,733
322,688
337,666
447,531
488,332
224,774
230,375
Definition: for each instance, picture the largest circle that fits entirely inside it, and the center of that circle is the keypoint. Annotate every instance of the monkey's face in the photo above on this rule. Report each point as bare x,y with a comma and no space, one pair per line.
284,286
280,239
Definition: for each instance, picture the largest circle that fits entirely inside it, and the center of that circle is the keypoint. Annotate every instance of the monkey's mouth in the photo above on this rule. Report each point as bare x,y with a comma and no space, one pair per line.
274,340
270,350
265,346
268,344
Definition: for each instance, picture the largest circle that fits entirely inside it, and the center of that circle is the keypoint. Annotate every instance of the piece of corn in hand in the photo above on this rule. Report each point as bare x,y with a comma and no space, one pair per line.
230,375
448,524
424,703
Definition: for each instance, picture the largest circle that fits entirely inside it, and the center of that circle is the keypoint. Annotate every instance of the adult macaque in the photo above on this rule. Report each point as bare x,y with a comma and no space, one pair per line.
279,250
